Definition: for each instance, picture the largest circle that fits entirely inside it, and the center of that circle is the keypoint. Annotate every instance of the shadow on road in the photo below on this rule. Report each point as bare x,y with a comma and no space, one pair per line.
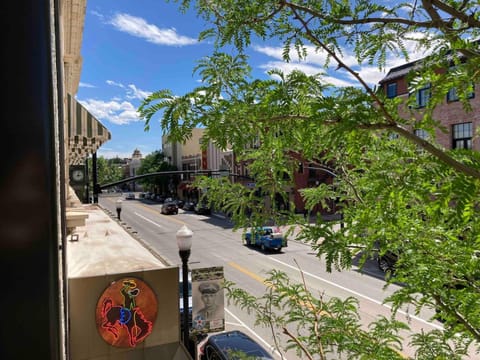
370,267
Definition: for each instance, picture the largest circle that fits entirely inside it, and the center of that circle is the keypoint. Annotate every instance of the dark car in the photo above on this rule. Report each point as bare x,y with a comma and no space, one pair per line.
386,262
232,345
189,206
159,198
180,203
202,209
169,208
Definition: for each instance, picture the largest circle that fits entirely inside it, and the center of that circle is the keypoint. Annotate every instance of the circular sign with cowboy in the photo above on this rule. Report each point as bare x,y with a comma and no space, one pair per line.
126,312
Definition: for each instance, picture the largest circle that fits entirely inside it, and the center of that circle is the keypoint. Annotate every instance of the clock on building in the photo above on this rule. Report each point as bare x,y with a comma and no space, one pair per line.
77,174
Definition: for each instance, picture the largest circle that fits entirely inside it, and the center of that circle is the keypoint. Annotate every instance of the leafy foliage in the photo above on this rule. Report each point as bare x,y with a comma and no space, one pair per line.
152,163
397,193
314,324
108,170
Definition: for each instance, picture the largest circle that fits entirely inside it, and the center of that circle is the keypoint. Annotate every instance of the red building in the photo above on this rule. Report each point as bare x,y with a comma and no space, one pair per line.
460,124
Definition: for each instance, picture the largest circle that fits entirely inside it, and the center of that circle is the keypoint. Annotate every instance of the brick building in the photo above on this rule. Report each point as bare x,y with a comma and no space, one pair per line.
460,124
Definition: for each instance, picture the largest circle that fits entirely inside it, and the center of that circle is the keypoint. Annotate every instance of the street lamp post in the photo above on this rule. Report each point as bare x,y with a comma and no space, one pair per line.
118,206
184,242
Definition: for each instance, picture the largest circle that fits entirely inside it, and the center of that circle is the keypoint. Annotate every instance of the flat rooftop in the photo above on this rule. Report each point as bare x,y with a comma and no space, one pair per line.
103,246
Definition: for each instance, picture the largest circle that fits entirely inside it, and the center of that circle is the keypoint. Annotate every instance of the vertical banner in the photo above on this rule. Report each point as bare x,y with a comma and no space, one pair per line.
208,311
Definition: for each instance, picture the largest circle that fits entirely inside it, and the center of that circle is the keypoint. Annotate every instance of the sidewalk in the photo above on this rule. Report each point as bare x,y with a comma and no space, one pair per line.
103,246
100,256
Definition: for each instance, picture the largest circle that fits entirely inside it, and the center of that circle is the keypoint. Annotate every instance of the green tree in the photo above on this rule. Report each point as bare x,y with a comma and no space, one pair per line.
152,163
108,171
396,193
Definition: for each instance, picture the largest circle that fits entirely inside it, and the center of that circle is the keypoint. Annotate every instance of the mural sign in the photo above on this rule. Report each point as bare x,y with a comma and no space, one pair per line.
208,311
126,312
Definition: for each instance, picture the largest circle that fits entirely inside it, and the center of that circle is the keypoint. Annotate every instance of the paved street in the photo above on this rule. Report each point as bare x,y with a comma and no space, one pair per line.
215,244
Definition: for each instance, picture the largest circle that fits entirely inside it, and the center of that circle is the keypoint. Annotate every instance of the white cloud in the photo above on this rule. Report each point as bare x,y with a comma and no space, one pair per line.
140,28
119,109
307,69
114,83
86,85
291,66
275,52
370,74
134,93
313,64
117,112
316,57
315,61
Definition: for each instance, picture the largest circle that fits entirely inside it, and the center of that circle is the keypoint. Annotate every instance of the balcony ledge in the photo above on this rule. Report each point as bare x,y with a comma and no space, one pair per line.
75,219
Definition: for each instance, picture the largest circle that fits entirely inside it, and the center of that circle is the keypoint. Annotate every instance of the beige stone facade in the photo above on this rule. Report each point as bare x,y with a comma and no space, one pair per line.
99,250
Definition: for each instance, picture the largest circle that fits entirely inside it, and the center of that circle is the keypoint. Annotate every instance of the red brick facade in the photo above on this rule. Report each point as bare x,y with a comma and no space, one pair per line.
447,114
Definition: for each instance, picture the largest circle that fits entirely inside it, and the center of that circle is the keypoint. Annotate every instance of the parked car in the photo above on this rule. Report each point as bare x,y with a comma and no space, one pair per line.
180,203
386,262
231,345
180,289
130,196
169,208
266,237
149,195
189,206
202,209
160,198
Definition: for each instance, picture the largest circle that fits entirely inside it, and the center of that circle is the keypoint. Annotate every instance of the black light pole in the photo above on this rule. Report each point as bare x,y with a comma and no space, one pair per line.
184,242
95,178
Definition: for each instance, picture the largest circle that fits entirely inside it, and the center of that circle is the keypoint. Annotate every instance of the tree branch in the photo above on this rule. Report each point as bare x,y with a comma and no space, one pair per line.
441,155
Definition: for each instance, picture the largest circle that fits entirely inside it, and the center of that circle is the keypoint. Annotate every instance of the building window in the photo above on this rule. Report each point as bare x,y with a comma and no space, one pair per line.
421,134
462,136
391,90
423,95
452,95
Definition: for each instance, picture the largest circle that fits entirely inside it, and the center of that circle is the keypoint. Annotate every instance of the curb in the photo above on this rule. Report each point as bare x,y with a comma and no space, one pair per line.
134,235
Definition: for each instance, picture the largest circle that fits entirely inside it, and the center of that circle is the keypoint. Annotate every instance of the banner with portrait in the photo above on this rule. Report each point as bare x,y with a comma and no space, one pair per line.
208,313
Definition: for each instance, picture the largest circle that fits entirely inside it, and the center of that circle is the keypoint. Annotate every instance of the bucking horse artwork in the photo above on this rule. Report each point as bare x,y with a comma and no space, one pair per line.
123,323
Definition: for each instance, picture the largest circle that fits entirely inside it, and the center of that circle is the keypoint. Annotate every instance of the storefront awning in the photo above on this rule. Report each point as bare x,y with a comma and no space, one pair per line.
85,133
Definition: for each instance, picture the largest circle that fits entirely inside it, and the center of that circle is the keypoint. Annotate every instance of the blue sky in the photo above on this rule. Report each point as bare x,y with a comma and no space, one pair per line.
133,48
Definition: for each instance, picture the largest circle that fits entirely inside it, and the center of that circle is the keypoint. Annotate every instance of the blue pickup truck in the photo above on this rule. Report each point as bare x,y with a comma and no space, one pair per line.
267,238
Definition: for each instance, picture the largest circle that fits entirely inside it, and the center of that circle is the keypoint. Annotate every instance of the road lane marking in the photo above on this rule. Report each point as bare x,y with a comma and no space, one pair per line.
150,221
359,294
156,212
159,213
247,272
263,281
